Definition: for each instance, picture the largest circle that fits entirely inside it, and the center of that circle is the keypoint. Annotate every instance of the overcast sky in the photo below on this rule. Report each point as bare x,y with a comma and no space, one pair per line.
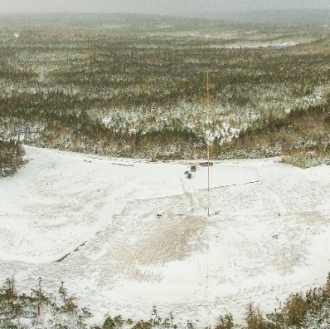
155,6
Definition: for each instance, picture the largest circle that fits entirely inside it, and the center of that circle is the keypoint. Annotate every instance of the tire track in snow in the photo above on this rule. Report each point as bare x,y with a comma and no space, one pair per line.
189,191
277,200
121,201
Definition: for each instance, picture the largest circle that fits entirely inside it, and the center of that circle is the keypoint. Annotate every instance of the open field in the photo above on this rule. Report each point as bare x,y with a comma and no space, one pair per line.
125,234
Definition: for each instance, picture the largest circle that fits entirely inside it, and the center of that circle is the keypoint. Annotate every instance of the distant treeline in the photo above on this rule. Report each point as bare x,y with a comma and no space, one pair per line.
134,86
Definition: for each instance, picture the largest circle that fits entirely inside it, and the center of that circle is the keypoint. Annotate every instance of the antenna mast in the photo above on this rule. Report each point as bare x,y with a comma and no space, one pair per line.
208,142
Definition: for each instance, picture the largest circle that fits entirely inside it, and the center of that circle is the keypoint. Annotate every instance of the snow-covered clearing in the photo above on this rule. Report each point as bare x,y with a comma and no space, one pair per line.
130,234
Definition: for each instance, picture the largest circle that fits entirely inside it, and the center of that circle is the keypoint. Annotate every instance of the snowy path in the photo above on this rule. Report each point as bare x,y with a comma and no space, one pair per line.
137,233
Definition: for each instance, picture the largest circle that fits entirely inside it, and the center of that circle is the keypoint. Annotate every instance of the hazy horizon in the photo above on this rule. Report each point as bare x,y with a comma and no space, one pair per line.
155,6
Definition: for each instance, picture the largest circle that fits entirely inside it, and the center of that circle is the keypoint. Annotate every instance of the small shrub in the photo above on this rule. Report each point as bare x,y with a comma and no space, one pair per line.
142,325
225,322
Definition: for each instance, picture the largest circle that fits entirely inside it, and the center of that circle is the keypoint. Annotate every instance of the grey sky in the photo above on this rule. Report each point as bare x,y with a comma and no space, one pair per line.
155,6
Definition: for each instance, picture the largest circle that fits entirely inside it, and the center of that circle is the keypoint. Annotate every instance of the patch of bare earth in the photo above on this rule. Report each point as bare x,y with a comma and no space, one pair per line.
158,238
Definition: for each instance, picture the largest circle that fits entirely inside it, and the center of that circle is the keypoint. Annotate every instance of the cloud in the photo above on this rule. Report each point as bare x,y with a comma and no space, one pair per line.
154,6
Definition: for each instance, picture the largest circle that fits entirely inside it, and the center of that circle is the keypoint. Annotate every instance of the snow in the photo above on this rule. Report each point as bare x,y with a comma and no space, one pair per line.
131,234
257,45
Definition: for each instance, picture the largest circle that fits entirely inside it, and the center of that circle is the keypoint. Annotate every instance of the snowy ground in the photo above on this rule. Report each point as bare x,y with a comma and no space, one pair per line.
124,234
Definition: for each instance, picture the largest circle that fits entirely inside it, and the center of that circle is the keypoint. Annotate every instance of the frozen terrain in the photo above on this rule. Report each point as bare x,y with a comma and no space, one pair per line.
125,235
